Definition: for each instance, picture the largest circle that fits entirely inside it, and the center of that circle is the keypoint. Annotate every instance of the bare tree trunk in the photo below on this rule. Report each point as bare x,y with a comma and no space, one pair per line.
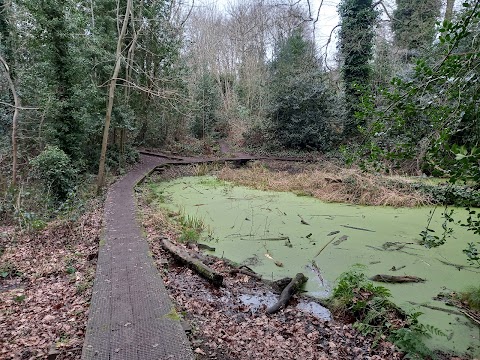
16,101
111,96
449,10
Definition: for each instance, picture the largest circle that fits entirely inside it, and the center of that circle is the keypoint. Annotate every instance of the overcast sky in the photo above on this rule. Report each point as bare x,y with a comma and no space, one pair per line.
328,18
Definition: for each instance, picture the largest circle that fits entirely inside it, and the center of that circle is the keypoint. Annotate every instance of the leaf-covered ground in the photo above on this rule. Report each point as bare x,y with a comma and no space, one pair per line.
224,327
45,288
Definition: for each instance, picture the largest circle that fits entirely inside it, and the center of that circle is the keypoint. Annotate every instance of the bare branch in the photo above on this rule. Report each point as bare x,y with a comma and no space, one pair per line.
380,2
19,107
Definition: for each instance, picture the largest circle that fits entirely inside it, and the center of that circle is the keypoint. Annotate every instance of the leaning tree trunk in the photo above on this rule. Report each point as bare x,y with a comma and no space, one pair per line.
16,101
111,96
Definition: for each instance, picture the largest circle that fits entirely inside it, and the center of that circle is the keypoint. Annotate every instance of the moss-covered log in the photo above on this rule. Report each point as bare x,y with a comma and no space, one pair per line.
184,257
396,279
287,293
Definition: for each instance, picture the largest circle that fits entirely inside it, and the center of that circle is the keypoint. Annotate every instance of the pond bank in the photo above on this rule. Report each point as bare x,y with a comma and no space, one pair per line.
260,229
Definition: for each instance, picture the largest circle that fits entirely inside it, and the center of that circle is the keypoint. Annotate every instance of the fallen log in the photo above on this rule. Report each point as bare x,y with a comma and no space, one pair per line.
194,264
287,293
472,316
396,279
448,311
280,284
205,247
245,272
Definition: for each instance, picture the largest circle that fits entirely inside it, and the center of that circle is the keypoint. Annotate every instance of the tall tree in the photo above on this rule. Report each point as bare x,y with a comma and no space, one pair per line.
358,19
6,48
449,10
301,110
111,95
16,104
5,39
414,24
53,19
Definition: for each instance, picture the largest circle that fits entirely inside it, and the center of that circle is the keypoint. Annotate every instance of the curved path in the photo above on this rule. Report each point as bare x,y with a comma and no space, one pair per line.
131,316
130,307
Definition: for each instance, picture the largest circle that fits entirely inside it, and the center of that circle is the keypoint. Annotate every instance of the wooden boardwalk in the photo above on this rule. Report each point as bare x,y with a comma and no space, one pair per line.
130,315
129,312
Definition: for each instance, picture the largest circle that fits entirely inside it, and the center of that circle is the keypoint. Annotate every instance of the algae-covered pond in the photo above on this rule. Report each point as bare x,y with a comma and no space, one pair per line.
266,229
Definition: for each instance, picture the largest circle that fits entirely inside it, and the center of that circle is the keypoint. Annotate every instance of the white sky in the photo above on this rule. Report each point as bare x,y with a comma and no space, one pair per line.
328,18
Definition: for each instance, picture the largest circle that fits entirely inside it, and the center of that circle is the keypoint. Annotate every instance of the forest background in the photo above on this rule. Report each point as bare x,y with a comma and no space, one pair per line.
393,88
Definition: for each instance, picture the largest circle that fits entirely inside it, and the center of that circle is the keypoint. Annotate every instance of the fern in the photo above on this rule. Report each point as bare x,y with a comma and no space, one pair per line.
370,305
410,342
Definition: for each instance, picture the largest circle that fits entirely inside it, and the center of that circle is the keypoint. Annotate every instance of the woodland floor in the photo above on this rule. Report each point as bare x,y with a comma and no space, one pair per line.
45,287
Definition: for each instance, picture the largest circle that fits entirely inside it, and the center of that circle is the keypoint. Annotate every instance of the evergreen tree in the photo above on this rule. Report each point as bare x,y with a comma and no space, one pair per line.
301,108
54,40
414,23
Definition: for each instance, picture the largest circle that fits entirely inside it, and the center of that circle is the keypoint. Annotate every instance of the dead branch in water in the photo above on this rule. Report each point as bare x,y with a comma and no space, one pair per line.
396,279
288,292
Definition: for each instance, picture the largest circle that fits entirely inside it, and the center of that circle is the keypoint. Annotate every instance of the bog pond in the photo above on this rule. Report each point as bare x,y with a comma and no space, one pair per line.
280,234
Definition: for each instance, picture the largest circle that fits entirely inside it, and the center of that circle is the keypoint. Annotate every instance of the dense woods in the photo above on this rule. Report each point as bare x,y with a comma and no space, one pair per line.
392,89
86,83
171,71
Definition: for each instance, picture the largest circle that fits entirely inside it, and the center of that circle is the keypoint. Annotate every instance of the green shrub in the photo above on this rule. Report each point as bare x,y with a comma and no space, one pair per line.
472,297
457,195
55,170
302,109
370,306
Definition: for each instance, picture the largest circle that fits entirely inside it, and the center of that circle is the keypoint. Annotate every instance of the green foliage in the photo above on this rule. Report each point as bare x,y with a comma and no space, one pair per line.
373,312
192,228
410,342
302,107
345,293
55,170
433,114
472,297
54,31
358,18
19,298
456,195
206,120
189,235
473,254
8,270
414,25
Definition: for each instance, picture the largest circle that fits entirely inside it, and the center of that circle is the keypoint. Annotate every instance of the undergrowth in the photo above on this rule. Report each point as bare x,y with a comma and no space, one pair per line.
471,296
376,315
186,228
331,183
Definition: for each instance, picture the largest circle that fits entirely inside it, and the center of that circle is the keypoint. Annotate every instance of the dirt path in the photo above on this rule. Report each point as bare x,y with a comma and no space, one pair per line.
225,149
131,315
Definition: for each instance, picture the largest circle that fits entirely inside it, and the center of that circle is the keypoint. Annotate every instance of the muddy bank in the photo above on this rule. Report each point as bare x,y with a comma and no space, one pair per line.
280,234
231,323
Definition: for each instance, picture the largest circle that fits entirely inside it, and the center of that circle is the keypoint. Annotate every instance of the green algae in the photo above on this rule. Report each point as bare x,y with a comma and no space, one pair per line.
280,234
